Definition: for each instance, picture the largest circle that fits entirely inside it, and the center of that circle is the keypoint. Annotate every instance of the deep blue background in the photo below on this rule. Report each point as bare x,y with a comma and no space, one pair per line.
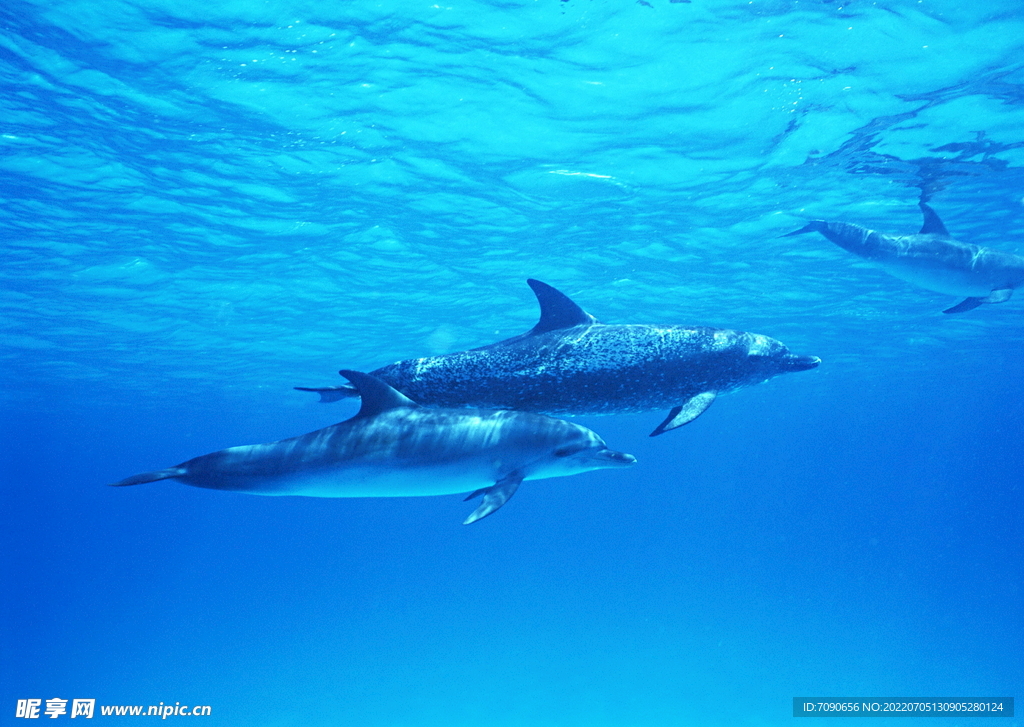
799,539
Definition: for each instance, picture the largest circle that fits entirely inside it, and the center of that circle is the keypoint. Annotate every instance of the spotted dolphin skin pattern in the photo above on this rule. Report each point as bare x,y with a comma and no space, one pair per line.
931,259
569,364
395,448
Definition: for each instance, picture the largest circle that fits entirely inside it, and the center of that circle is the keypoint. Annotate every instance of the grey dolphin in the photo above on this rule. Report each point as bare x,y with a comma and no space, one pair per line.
931,259
569,364
395,448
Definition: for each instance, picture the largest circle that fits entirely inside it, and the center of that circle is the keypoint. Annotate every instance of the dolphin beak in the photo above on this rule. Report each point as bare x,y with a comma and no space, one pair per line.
611,458
802,363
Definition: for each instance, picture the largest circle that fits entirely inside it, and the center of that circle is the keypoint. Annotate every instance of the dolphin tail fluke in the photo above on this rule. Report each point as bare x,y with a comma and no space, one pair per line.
330,393
494,496
686,413
167,474
815,226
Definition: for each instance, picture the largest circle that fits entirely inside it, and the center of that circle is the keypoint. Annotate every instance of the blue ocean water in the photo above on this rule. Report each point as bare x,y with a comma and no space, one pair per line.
205,204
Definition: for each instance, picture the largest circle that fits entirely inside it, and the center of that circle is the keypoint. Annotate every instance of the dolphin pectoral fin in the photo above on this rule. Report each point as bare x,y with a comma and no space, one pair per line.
139,479
965,305
996,296
330,393
494,496
686,413
932,224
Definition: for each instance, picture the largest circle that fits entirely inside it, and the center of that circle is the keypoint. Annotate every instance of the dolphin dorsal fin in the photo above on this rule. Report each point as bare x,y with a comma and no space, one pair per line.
932,224
556,310
376,395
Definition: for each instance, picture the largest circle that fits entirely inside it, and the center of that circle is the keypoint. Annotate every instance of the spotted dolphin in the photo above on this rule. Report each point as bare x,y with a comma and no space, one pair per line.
570,364
395,448
932,259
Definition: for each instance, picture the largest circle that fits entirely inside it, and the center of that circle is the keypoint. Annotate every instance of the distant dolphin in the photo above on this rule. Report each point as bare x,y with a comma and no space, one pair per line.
569,364
395,448
932,259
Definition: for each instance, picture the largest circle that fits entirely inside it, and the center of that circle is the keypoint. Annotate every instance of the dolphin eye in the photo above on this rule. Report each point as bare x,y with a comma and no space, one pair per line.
566,451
